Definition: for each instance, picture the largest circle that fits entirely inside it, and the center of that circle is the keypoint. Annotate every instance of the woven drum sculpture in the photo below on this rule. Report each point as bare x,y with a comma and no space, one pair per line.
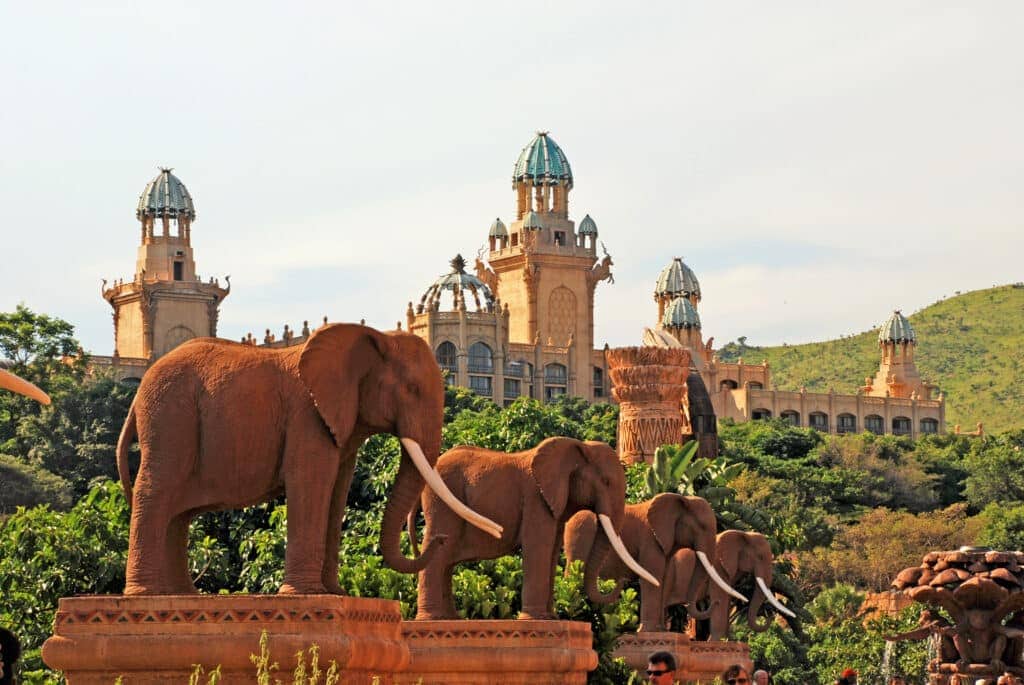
649,384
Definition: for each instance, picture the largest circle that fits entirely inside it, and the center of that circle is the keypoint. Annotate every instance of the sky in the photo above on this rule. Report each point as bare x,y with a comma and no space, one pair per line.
816,164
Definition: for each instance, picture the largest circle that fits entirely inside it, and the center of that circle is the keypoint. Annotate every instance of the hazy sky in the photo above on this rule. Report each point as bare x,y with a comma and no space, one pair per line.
817,164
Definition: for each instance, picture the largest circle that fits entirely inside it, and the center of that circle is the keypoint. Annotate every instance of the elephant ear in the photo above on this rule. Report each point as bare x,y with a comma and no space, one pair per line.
728,546
662,514
552,467
333,362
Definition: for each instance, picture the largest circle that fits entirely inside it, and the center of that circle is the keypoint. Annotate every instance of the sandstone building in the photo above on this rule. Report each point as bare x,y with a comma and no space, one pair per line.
520,322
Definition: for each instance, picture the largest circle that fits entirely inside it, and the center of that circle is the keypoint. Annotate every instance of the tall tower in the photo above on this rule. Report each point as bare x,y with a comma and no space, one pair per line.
165,304
897,374
545,270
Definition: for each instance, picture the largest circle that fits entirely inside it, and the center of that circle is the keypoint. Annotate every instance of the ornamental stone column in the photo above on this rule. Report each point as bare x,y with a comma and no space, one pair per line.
648,383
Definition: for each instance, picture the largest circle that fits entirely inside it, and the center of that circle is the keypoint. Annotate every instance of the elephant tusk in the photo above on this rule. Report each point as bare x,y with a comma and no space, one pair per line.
438,486
620,549
770,596
11,382
717,578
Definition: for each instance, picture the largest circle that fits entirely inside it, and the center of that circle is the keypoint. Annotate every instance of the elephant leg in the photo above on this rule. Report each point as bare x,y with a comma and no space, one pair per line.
433,600
309,496
146,570
538,575
176,555
719,621
652,605
334,520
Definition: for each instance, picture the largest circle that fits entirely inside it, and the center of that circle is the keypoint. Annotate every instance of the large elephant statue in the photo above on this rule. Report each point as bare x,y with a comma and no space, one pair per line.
8,381
531,494
225,425
737,553
652,532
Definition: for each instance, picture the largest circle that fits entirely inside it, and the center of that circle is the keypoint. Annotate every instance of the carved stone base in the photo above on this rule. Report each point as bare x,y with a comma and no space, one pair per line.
158,639
508,652
696,661
949,674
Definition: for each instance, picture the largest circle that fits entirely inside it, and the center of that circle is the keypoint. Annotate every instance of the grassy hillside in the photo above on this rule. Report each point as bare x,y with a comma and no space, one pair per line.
971,346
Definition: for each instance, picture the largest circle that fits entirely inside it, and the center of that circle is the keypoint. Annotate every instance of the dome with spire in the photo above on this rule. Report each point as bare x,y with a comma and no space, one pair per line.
542,162
498,230
677,279
166,196
680,313
587,226
459,284
897,329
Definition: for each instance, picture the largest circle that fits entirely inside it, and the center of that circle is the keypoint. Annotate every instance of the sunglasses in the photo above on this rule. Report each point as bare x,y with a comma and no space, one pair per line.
737,681
658,673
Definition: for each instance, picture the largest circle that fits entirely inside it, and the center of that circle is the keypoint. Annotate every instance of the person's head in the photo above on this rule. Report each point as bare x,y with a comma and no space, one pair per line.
1008,679
760,677
897,680
736,675
10,651
661,668
849,675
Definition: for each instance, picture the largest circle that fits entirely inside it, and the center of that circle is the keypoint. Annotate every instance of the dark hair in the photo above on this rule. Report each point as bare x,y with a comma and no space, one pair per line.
733,671
663,658
11,651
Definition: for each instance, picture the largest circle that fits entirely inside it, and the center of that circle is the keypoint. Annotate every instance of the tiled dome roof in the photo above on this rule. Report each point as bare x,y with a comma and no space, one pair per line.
677,279
587,226
897,329
498,230
532,222
166,195
459,283
680,314
542,162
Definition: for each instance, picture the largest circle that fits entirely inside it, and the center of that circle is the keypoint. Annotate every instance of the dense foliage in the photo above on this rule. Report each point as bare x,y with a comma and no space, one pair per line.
843,513
969,345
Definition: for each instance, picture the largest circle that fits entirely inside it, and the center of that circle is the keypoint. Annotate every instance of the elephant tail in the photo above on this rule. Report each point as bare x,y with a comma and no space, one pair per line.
124,442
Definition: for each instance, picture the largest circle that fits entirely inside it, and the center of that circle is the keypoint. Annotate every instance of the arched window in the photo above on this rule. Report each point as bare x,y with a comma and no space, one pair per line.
598,382
555,380
901,425
874,423
818,421
446,356
759,414
929,426
727,385
846,423
481,360
791,417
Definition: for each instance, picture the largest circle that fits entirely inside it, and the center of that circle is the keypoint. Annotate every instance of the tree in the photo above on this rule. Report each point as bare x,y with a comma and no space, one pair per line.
30,486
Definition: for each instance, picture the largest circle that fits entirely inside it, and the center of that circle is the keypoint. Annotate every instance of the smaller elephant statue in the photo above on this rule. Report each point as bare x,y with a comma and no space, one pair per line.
530,494
737,553
652,531
8,381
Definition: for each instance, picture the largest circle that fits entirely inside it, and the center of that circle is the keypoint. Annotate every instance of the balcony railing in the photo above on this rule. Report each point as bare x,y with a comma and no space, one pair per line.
481,366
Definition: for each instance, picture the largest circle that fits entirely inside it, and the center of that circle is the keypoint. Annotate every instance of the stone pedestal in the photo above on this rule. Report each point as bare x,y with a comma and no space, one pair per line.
697,661
158,639
649,384
508,652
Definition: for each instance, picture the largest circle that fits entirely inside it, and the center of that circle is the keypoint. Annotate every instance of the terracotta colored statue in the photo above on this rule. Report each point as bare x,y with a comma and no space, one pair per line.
652,531
531,494
225,425
8,381
928,624
737,554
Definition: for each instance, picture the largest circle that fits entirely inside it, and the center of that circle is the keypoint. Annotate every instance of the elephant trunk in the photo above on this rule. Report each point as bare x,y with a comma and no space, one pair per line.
598,554
404,496
758,625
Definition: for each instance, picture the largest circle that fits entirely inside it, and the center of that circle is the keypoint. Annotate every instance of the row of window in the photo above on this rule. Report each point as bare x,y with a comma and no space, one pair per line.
481,361
729,384
847,423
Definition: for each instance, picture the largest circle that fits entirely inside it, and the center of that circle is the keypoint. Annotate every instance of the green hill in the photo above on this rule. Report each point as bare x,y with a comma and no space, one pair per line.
970,345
